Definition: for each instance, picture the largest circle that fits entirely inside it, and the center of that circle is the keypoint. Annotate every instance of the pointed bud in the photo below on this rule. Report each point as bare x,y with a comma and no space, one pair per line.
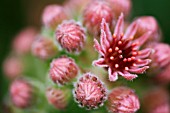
89,91
53,15
93,14
163,77
160,57
71,36
21,93
12,67
58,98
63,70
120,6
44,48
23,41
123,100
156,101
148,23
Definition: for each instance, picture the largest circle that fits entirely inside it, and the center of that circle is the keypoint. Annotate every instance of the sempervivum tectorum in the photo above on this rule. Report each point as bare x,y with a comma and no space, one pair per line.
93,14
53,15
89,91
21,93
57,97
44,48
71,36
120,53
123,100
63,70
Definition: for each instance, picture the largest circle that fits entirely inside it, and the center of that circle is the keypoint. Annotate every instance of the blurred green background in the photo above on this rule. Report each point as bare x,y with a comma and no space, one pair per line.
16,14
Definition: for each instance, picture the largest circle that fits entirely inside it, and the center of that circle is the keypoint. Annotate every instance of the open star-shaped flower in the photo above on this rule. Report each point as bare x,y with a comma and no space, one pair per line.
120,53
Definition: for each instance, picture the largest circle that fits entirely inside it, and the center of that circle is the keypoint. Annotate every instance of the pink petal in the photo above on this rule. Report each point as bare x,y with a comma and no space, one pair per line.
98,47
144,53
141,40
100,62
127,75
104,43
143,63
131,30
113,76
119,26
139,70
105,28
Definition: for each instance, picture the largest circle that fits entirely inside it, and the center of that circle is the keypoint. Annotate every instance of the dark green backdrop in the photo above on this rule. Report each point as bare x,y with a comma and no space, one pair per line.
15,14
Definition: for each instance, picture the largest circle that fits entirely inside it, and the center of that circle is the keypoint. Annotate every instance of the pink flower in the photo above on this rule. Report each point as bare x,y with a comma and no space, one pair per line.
63,70
53,15
120,54
123,100
21,93
93,14
12,67
71,36
156,101
57,98
44,48
89,91
120,6
23,41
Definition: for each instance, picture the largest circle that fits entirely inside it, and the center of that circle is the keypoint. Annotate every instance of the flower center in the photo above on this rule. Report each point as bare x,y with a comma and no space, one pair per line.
122,54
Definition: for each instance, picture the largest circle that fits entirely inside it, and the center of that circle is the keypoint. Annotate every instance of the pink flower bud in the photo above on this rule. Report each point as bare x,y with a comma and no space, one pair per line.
93,14
21,93
120,6
23,41
58,98
12,67
71,36
63,70
163,77
75,7
123,100
44,48
161,56
148,23
156,101
53,15
89,91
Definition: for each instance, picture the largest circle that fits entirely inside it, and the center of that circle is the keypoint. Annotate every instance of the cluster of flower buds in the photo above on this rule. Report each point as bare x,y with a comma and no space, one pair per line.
123,51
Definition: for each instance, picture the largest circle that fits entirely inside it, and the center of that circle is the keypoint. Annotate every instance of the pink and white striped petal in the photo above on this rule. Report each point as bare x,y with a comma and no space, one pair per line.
143,63
128,75
145,53
139,70
105,28
98,47
119,26
131,30
104,42
100,62
113,76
